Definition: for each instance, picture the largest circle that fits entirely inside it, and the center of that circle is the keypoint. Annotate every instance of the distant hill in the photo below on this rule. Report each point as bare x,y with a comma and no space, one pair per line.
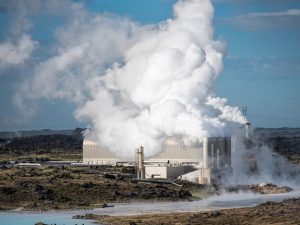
285,141
76,132
42,141
275,132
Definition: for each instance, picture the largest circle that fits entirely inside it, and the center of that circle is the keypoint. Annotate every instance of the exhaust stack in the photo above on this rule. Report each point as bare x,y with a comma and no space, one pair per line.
140,168
248,130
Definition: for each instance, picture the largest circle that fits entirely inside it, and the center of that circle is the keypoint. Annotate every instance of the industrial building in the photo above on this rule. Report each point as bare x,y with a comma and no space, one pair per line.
93,153
166,171
173,151
201,164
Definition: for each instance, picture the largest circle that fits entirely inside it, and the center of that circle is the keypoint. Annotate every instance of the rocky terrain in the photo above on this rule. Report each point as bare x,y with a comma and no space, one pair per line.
70,188
264,188
286,212
97,186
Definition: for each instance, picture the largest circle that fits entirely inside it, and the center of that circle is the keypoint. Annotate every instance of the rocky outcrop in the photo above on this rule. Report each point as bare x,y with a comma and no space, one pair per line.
263,188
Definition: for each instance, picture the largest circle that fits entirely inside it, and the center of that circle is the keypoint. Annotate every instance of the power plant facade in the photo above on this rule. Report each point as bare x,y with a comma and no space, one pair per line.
200,164
93,153
173,151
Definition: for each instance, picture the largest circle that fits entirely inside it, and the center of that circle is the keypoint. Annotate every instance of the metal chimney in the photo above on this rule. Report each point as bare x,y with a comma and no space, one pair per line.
248,130
205,152
140,168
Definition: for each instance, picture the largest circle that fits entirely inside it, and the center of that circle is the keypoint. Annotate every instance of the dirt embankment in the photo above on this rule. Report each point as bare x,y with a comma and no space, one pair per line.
286,212
70,188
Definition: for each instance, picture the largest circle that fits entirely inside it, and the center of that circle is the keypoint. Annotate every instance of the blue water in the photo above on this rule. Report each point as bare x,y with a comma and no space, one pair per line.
58,218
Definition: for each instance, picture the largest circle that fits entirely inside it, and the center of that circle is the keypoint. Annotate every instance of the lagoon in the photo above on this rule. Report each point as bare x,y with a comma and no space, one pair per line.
31,218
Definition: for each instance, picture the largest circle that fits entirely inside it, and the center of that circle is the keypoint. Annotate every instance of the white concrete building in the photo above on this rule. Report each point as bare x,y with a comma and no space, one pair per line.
201,176
166,170
172,151
93,153
210,158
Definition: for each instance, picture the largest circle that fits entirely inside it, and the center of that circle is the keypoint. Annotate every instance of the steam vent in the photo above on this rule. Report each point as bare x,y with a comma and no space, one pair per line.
205,163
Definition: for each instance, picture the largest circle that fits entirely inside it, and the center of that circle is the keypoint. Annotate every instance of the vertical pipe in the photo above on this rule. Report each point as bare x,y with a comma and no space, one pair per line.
140,163
218,158
205,152
211,154
228,151
248,129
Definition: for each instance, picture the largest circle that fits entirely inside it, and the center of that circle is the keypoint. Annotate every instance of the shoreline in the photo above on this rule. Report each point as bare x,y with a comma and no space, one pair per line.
109,205
286,211
211,215
249,195
216,202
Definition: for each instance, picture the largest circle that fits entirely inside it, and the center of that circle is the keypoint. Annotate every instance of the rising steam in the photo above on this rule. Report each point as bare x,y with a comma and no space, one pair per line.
138,84
164,88
258,164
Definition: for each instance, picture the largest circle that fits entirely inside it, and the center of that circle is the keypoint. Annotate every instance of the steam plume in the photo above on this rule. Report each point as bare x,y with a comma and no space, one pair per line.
165,87
159,82
259,164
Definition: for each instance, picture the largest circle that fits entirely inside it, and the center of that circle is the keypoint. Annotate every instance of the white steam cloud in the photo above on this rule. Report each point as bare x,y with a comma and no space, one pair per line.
159,82
12,55
164,88
18,46
257,164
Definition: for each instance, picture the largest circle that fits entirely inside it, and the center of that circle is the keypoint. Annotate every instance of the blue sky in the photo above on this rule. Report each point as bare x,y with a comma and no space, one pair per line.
261,69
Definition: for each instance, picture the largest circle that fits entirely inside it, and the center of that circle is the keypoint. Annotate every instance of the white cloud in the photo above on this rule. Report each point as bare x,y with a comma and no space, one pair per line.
12,55
85,47
266,21
18,46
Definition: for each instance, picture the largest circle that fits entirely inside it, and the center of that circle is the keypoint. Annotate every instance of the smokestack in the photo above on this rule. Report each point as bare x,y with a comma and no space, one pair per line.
248,130
140,169
205,152
218,158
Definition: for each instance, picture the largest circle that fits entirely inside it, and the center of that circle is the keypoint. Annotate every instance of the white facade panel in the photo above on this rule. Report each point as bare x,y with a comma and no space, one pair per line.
155,171
172,151
166,171
94,153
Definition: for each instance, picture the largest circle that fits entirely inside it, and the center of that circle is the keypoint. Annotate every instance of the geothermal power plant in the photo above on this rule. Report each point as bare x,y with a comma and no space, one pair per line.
204,163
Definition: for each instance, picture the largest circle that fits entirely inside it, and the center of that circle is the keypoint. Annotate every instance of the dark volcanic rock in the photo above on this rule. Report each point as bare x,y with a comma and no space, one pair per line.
42,143
88,216
41,223
37,190
263,188
8,190
109,176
